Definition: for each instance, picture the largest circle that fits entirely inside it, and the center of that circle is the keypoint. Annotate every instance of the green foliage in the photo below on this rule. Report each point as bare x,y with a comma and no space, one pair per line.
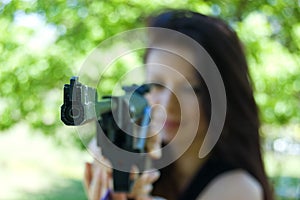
275,69
43,44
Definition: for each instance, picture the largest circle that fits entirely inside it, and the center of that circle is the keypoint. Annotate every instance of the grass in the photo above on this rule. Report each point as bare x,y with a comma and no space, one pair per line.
33,167
70,189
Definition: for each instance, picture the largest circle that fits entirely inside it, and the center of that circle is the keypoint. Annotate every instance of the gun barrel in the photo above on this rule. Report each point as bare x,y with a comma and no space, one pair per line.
81,105
104,105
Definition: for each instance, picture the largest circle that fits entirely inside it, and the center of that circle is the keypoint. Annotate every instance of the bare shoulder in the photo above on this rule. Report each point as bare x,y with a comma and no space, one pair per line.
237,184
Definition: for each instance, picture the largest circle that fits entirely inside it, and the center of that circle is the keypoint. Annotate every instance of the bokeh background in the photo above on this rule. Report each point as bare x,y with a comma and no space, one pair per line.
43,43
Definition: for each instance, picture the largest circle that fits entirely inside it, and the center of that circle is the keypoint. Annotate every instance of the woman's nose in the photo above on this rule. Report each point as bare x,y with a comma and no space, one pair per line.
169,101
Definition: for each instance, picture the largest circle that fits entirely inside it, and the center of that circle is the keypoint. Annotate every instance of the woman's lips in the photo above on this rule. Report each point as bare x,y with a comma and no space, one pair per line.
158,124
172,124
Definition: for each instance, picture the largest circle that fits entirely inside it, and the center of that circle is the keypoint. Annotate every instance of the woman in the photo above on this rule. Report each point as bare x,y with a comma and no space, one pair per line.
233,169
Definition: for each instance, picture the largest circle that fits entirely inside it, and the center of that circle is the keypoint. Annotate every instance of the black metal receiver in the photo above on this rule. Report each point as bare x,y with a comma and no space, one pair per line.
117,116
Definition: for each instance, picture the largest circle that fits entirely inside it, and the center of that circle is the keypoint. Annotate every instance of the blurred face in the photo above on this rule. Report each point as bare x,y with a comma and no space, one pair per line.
174,96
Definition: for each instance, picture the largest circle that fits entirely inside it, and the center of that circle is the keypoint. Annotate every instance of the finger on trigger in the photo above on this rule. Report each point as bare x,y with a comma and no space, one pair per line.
154,146
134,172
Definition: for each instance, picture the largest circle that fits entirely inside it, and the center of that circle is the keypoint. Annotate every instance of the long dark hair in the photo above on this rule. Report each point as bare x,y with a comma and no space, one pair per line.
239,143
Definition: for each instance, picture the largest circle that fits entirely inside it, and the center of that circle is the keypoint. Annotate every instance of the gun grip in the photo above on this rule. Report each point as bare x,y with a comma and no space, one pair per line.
122,182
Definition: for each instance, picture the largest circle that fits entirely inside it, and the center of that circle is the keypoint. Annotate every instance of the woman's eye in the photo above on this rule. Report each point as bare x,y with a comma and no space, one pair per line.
156,86
196,90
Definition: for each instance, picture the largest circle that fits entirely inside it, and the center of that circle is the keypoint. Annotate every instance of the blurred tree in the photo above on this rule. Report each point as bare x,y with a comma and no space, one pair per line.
42,44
